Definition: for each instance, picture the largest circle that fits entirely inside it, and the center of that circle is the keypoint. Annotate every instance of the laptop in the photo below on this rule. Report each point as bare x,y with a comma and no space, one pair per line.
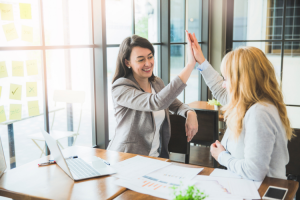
77,168
2,160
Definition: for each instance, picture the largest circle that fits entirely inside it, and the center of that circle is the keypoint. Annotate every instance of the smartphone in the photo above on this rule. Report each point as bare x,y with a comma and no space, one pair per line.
277,193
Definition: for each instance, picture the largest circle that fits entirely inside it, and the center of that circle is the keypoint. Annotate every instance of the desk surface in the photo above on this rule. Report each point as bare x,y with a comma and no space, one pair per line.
50,182
205,106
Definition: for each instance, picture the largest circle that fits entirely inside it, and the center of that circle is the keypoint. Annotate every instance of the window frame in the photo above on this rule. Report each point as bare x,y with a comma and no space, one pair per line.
204,42
230,40
99,104
164,11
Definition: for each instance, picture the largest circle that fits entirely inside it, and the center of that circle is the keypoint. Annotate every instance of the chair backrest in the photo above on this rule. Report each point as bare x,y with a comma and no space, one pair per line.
293,167
69,96
208,127
178,141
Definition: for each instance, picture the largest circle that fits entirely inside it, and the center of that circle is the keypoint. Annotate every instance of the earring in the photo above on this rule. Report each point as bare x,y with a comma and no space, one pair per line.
129,67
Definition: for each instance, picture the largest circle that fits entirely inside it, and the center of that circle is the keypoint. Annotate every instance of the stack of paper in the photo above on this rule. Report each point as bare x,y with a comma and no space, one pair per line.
157,178
153,177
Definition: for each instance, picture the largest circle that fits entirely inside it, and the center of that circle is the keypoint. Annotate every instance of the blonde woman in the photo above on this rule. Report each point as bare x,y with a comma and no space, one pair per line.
255,142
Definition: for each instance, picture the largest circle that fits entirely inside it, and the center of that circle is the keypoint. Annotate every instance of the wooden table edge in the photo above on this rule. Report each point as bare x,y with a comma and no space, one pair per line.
17,195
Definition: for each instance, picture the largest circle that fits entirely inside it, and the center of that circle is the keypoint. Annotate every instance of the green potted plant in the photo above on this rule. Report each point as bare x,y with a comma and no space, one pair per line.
190,193
216,104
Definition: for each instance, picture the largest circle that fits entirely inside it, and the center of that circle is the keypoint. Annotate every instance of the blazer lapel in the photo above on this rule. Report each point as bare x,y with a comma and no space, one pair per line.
130,77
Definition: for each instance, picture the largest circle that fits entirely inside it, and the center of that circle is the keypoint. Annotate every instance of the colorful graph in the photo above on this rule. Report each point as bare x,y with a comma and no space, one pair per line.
152,184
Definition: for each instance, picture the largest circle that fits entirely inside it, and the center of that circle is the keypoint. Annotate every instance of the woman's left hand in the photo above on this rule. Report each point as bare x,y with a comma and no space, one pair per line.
216,148
191,125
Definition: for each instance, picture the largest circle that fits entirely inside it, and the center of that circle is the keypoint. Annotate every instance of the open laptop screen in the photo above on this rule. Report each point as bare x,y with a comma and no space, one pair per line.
2,159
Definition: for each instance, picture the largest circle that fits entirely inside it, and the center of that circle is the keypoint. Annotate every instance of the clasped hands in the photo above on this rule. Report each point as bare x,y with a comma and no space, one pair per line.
194,49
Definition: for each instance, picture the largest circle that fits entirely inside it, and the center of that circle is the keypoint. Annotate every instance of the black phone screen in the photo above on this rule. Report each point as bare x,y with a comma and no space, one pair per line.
275,193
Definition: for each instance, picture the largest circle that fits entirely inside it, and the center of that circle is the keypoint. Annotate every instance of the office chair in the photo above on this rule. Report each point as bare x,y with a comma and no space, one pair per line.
66,96
208,129
293,167
207,134
178,141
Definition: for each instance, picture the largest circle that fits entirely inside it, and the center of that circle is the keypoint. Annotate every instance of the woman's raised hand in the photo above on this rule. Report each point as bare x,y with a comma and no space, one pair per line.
191,62
196,48
191,58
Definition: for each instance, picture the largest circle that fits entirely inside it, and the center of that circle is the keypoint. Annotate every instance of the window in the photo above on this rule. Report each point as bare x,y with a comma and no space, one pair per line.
45,47
55,47
272,26
144,22
147,19
185,15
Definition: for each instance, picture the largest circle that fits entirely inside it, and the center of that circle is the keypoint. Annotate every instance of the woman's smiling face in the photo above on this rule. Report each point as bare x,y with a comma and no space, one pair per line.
141,61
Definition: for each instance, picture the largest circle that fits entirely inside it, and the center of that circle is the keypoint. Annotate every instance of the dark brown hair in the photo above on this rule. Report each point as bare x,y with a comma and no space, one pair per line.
124,53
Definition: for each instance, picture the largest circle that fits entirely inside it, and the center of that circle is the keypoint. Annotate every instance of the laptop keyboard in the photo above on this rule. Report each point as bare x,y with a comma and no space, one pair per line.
80,169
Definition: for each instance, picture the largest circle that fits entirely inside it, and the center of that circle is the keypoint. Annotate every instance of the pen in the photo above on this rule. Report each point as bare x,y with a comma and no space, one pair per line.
53,161
106,162
71,157
47,163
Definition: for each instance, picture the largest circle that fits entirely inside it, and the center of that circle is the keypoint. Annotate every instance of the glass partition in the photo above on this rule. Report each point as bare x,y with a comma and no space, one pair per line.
21,102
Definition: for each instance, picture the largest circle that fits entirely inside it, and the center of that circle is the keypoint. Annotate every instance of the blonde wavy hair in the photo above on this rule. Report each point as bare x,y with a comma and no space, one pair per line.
251,79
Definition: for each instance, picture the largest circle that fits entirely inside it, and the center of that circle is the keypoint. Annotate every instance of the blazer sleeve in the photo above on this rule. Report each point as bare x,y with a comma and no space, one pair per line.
177,106
126,94
214,81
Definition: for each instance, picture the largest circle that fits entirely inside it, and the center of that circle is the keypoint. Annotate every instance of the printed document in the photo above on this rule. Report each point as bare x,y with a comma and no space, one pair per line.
137,166
226,187
229,174
160,182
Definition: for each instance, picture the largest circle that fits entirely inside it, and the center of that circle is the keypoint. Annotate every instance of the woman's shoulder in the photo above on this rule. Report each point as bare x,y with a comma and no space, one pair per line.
124,81
263,111
128,81
263,106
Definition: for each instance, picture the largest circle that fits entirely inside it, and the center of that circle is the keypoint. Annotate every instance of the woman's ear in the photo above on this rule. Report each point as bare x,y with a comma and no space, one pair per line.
127,63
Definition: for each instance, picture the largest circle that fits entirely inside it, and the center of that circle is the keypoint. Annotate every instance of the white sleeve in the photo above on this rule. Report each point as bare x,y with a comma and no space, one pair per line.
203,66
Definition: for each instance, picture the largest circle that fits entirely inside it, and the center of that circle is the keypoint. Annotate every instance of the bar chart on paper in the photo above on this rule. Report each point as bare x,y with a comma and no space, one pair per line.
152,184
160,182
163,179
173,174
147,186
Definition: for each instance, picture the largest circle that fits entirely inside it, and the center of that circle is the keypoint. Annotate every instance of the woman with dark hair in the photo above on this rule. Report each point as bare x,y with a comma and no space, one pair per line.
142,101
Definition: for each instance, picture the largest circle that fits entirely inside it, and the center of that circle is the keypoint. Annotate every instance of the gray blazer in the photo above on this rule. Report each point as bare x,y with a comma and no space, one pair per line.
133,111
